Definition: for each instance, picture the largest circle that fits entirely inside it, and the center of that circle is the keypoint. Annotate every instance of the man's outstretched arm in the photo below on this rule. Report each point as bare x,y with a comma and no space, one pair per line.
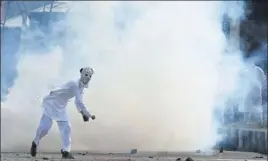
81,107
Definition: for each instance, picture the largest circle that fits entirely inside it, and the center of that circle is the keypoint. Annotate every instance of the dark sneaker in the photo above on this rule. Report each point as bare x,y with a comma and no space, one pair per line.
33,149
66,155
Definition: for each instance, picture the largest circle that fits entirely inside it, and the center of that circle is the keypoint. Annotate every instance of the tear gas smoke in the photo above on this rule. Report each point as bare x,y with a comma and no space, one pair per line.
158,69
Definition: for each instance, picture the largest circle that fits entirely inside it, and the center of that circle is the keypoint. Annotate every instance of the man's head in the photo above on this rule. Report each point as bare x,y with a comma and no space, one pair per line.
85,75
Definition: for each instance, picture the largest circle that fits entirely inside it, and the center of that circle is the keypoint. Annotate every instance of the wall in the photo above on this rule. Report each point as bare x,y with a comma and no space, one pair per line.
245,139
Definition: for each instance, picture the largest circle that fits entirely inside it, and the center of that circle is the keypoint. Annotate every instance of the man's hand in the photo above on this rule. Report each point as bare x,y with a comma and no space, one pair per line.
85,118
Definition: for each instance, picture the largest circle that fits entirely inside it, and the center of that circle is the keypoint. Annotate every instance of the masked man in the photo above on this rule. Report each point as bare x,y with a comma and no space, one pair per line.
54,106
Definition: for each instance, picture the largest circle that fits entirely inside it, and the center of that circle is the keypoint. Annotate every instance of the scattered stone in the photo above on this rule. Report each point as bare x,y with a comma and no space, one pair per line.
133,151
45,158
189,159
151,157
258,157
111,153
178,159
82,153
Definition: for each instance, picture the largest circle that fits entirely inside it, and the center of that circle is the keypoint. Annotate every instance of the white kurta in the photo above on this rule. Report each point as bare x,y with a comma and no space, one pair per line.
55,103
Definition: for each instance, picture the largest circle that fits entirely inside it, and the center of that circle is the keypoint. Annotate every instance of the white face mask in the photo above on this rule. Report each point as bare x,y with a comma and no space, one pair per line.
86,74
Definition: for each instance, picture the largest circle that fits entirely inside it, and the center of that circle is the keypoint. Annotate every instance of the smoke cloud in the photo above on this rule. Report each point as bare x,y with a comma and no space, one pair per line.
160,68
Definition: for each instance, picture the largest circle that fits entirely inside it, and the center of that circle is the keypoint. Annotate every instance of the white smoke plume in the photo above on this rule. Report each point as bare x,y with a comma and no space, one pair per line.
158,69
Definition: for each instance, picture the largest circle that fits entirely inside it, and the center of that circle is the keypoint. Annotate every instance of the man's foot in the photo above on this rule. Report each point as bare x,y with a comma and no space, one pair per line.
33,149
66,155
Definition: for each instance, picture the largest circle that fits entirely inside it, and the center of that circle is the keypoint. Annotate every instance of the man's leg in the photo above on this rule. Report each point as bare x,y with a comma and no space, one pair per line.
42,130
65,131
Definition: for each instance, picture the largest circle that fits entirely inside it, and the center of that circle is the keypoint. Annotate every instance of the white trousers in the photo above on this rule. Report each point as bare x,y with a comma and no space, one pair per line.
64,128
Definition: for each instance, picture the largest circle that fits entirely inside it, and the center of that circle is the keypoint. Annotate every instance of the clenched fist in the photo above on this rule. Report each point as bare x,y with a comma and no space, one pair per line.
85,118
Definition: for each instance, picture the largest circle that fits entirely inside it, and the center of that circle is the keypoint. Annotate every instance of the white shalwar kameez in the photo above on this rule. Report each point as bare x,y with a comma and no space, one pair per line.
54,106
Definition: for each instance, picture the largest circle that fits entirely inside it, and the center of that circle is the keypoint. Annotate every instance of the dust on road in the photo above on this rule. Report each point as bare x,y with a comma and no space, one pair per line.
141,156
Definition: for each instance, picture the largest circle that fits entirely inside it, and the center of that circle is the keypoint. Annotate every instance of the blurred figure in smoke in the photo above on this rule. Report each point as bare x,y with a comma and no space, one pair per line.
54,106
253,102
247,103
